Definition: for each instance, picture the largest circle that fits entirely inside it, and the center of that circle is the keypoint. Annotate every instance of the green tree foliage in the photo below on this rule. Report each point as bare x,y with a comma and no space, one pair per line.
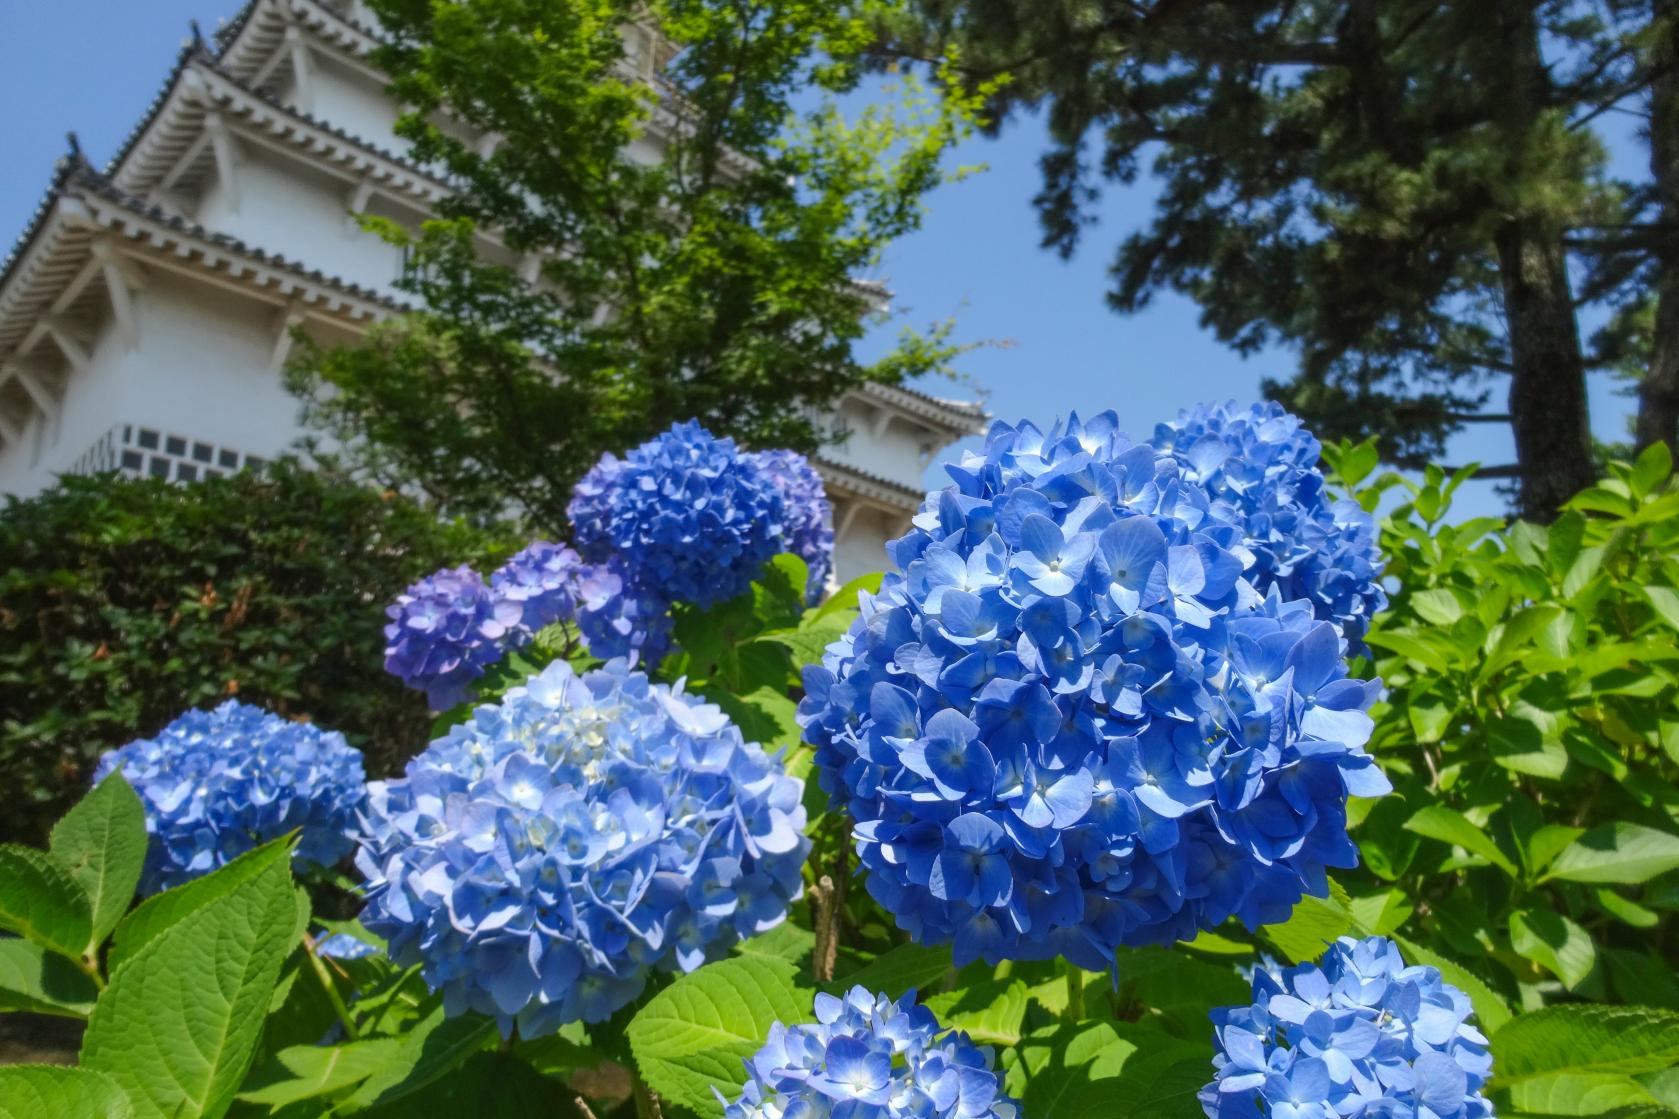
1405,191
124,602
652,235
1531,728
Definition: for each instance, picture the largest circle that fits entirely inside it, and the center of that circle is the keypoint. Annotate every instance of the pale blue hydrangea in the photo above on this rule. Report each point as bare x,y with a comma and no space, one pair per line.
866,1057
445,631
1361,1035
216,784
1069,722
810,517
1305,542
541,860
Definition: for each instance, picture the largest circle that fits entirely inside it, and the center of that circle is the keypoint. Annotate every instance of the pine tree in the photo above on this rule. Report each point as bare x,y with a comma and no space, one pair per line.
1403,190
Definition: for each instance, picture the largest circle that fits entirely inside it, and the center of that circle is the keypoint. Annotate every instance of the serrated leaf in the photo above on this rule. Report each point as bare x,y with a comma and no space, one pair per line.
1584,1038
181,1019
1665,602
1380,914
845,599
786,942
1576,1093
161,911
1315,924
302,1072
435,1047
1102,1068
38,1091
37,981
487,1085
1651,468
990,1012
1528,739
101,842
896,972
1553,942
1448,825
694,1035
1412,646
39,900
1437,606
1623,853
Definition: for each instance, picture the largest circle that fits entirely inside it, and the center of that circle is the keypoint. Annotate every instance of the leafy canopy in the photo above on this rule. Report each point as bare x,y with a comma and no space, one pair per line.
662,225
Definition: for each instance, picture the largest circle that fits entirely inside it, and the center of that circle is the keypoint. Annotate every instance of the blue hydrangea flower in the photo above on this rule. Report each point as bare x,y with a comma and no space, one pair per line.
216,784
1360,1035
1263,464
866,1057
1069,722
621,617
541,860
343,946
686,516
444,631
542,580
810,518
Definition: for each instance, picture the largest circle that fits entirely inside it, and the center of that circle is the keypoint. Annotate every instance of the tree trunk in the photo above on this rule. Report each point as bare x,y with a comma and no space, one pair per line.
1548,406
1658,391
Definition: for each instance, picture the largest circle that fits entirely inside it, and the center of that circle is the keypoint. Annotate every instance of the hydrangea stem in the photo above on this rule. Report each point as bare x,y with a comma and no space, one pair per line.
331,989
646,1103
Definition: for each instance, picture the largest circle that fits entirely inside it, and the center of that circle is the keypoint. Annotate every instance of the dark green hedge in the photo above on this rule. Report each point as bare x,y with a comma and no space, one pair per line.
125,601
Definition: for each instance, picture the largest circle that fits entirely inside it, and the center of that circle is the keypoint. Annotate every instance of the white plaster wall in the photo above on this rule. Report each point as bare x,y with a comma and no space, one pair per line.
282,206
204,369
862,548
351,101
895,455
90,407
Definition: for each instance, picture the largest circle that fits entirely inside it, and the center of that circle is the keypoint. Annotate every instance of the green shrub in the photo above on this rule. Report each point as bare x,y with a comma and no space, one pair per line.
124,602
1531,728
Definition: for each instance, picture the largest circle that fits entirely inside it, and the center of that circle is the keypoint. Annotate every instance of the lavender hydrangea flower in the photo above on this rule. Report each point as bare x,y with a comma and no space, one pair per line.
1263,464
621,617
810,517
1069,722
444,631
542,580
866,1057
540,861
216,784
1360,1035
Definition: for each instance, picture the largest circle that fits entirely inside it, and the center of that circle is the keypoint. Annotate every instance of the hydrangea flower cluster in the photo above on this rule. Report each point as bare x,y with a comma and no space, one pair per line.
544,580
1263,464
216,784
542,859
625,617
810,517
1068,722
686,511
1362,1035
688,517
866,1057
445,631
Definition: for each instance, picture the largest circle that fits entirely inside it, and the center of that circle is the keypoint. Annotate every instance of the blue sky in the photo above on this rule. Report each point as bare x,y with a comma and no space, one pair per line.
94,66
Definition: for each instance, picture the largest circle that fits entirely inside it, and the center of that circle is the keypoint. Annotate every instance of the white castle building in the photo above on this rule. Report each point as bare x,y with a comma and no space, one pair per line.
147,309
